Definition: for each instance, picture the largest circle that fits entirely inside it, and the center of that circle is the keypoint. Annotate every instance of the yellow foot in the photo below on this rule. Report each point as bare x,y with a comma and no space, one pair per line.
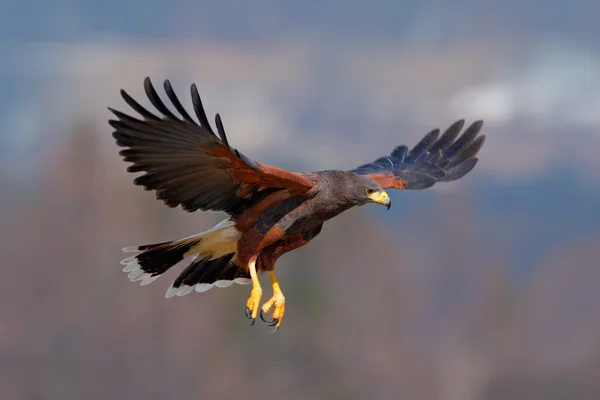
278,304
253,302
252,305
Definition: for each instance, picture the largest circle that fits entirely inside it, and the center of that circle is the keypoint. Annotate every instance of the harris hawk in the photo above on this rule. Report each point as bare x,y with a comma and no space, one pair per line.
270,211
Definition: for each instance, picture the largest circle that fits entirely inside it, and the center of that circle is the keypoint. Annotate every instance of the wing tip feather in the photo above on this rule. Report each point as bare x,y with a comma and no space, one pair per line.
434,158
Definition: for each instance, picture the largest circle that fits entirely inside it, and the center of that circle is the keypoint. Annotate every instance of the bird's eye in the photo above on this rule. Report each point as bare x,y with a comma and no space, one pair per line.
370,191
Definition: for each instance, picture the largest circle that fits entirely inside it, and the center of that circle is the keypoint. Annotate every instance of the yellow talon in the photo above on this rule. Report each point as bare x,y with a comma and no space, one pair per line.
277,302
253,302
252,305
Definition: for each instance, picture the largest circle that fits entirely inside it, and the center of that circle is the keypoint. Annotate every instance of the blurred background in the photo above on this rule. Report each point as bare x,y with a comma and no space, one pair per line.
486,288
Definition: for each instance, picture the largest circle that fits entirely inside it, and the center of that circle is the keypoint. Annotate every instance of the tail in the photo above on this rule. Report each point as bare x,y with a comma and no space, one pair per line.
213,261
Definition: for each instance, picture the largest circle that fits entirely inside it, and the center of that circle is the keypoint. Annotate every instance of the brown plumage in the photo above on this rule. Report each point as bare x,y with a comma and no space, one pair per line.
271,211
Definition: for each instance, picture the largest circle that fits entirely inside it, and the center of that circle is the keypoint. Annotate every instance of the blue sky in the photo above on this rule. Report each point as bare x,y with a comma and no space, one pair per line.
335,83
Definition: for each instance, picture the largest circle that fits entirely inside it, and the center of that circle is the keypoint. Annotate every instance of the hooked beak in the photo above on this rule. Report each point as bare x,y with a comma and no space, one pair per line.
381,198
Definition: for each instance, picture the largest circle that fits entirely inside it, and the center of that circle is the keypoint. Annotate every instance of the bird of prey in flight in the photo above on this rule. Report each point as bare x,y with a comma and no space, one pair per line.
270,211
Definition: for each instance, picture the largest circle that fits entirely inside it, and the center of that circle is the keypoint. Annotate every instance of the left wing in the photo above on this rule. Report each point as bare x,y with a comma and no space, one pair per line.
434,159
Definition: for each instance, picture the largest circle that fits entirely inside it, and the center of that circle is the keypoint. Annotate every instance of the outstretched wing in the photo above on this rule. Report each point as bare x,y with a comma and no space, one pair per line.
434,159
187,164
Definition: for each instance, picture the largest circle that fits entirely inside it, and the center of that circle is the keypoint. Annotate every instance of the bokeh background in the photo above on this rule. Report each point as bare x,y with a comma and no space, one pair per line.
486,289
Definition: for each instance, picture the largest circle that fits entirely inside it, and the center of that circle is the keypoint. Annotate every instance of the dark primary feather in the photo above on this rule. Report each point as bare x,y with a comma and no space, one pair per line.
434,159
188,164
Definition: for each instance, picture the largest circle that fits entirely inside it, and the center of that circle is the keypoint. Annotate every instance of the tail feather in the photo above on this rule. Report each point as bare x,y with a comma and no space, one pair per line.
202,274
203,270
213,264
155,259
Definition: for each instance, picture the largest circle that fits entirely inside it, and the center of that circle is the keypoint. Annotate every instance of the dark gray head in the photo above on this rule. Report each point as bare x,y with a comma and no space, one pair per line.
368,190
354,189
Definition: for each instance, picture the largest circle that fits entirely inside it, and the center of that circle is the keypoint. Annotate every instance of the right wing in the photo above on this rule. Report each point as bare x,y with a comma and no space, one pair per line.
187,164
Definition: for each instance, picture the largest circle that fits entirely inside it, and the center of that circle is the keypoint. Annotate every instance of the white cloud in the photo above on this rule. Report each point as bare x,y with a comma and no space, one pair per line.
258,90
555,85
493,102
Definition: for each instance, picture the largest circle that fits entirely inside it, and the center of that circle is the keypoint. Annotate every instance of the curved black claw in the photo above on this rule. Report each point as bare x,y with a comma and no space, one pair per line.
275,329
248,315
262,316
272,322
